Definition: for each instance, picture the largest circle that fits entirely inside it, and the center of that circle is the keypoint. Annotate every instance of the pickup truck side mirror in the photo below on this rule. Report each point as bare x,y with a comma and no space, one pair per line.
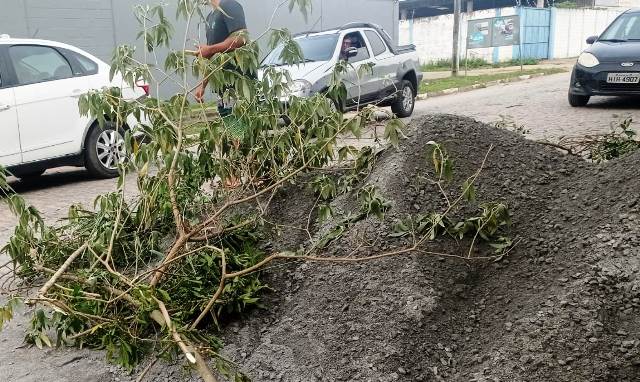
352,52
592,39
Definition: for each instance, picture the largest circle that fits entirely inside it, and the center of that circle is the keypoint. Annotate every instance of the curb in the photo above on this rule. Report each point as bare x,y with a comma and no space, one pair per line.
424,96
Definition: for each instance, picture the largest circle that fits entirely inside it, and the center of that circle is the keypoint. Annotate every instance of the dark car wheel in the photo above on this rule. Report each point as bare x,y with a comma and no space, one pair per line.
576,100
104,151
405,101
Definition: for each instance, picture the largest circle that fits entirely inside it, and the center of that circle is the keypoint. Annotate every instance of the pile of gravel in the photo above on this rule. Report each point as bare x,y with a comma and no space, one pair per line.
563,306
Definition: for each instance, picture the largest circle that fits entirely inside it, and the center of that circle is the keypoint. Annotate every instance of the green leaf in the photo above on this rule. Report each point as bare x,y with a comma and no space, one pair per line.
45,339
325,212
393,131
469,191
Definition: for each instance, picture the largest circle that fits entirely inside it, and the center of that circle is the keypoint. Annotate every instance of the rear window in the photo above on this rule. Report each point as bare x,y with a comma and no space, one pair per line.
82,65
376,42
89,66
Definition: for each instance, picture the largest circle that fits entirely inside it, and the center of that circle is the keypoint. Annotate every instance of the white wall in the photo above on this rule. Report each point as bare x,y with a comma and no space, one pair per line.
573,26
569,31
433,36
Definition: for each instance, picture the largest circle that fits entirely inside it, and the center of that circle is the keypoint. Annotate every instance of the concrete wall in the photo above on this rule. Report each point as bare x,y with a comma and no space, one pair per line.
87,24
433,36
98,26
572,27
569,31
617,3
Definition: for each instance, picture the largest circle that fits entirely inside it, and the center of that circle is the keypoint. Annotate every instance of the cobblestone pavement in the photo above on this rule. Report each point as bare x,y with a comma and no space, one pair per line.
540,104
55,191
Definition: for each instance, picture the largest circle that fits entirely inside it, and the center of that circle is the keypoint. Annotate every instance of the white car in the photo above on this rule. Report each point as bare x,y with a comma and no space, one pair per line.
40,123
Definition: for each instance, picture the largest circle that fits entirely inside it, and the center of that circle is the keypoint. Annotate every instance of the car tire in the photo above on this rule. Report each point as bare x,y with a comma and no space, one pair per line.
576,100
104,149
405,101
28,175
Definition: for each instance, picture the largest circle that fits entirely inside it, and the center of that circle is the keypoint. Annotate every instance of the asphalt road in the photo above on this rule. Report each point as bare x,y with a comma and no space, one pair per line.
540,104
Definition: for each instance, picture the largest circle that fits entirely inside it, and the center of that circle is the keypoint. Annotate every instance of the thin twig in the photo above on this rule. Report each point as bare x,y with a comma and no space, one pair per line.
45,288
190,352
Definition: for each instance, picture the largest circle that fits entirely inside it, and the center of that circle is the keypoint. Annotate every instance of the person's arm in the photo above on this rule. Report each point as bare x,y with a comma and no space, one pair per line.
235,41
236,24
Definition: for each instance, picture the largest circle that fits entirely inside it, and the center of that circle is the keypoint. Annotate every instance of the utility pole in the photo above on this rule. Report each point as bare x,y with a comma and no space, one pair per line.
457,4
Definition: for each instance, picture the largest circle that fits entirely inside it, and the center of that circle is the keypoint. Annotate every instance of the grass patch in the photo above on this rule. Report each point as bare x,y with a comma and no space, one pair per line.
461,81
566,5
473,63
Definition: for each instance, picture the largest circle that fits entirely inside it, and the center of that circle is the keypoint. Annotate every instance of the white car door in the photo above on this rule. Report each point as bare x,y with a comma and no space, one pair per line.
9,133
46,98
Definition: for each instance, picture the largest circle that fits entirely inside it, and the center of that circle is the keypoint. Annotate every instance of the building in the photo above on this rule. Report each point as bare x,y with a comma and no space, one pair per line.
98,26
412,9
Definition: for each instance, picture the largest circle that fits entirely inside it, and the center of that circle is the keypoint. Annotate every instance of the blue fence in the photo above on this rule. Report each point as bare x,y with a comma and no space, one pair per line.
535,33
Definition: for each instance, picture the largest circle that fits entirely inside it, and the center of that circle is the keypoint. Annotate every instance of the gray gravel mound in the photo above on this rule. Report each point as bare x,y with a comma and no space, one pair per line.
563,306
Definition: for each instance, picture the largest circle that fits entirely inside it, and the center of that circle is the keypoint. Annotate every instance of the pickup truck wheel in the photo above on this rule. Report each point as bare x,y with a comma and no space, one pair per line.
104,151
405,101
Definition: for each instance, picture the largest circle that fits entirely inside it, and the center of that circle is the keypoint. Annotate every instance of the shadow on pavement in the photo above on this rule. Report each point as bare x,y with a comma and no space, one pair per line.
51,179
619,103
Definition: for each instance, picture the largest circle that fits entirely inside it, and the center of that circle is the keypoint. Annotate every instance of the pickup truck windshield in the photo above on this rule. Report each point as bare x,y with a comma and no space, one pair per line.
625,28
314,48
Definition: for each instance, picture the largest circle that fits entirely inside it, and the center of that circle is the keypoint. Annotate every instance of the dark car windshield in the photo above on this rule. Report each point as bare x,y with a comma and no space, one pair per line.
314,48
625,28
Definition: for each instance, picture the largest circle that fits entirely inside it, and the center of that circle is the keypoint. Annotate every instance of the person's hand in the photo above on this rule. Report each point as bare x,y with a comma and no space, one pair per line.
200,94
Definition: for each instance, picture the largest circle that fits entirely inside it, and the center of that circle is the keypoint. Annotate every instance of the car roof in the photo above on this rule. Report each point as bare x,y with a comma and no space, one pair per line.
633,10
345,27
6,40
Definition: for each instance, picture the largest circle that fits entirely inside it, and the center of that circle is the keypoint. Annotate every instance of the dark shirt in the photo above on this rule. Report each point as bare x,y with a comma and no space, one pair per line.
223,22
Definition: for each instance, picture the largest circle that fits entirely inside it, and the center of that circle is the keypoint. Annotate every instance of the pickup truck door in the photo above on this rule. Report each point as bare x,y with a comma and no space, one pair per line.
384,79
10,154
357,81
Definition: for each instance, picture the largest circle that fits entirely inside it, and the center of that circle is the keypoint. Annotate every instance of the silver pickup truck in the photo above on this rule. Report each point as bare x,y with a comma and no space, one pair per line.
393,80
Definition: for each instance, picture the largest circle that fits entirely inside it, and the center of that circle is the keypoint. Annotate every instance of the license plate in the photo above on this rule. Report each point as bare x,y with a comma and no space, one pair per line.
623,78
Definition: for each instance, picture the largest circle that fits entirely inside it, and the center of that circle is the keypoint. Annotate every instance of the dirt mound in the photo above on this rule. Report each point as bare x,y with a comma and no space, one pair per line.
563,306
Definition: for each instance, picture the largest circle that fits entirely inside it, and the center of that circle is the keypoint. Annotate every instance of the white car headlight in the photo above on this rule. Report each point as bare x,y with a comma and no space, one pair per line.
588,60
300,88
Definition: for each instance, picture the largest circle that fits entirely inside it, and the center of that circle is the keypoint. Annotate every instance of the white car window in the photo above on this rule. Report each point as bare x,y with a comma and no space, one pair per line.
35,64
376,42
88,66
354,40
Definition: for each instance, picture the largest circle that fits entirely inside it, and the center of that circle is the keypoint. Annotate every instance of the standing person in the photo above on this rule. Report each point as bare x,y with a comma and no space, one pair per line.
226,31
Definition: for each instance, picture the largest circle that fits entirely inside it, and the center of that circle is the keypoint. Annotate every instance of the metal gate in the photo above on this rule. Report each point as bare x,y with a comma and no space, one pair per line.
535,31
